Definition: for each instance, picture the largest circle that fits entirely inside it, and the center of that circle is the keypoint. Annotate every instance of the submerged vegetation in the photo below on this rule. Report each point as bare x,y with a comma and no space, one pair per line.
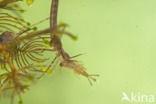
22,49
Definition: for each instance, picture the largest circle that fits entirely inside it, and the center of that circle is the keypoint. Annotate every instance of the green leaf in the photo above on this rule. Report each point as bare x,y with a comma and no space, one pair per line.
29,2
43,69
20,102
62,24
73,37
45,41
22,11
49,71
47,46
29,79
34,28
16,6
28,23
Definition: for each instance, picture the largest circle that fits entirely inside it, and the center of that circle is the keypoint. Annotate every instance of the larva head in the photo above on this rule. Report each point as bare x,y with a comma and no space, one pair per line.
6,38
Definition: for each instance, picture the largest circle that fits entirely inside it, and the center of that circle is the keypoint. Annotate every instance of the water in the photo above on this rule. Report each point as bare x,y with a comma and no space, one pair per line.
118,39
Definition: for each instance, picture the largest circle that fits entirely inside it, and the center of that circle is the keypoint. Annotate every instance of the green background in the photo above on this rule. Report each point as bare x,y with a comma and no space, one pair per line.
118,39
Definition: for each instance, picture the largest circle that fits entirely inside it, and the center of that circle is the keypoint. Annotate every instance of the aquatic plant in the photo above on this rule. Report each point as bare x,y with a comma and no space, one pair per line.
11,5
21,44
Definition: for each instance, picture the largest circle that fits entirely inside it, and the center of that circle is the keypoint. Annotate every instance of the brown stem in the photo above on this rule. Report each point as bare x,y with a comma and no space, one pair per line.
13,69
53,15
34,34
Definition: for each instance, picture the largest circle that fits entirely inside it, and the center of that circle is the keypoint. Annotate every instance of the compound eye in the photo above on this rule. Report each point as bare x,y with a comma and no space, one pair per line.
61,64
1,39
7,37
2,36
